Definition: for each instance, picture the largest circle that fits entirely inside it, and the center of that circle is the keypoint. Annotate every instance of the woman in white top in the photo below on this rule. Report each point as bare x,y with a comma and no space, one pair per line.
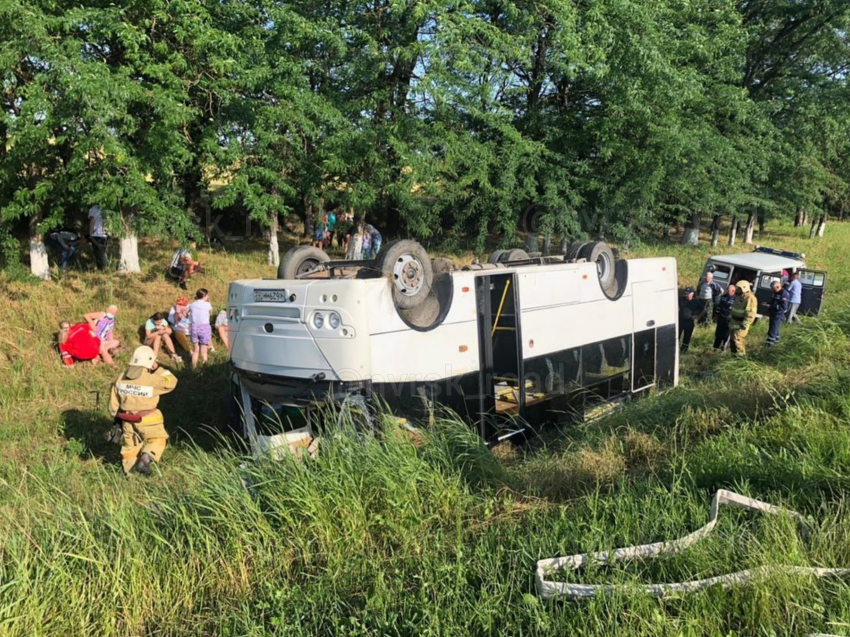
200,330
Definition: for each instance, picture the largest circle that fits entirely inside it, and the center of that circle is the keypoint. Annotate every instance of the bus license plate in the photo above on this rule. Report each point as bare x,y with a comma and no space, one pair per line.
270,296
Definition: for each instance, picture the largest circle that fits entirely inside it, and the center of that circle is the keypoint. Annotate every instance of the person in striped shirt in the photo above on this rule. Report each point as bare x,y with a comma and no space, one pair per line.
103,326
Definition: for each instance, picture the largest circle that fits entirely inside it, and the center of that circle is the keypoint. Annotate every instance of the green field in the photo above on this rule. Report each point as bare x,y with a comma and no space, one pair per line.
387,538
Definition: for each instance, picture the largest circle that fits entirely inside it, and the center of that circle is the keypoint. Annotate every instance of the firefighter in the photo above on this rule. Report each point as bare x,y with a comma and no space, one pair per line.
744,311
134,400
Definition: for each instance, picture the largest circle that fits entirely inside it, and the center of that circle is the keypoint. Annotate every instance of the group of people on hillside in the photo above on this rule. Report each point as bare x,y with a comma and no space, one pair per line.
65,242
329,225
734,310
135,394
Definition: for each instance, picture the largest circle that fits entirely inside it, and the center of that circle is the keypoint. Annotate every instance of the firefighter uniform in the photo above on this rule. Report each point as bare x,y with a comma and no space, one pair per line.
134,399
743,313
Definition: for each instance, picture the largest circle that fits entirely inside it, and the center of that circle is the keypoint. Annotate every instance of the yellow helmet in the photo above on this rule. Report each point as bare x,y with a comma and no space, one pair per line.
744,286
143,356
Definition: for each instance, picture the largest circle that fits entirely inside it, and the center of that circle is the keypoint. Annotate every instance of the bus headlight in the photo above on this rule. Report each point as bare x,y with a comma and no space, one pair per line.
334,320
318,320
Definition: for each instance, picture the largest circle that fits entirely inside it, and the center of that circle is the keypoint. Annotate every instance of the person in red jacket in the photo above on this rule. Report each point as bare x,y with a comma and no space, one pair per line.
78,343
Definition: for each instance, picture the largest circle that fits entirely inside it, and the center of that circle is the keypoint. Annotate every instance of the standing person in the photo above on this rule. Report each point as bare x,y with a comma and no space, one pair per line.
779,303
742,315
157,331
97,236
178,317
223,329
709,293
331,225
689,309
64,242
374,241
183,266
133,401
795,296
103,325
200,329
319,230
724,313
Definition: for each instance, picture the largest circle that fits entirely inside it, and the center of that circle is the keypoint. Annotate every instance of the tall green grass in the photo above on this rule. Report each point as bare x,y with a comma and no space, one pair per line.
438,535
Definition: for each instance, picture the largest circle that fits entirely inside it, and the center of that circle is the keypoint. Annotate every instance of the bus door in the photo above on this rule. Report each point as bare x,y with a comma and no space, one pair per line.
814,287
502,386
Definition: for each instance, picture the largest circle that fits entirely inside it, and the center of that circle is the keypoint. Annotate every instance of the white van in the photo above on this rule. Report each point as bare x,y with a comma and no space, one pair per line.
518,339
765,265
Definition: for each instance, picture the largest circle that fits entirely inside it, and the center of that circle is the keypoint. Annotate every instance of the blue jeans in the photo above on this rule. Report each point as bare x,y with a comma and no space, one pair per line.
65,254
375,247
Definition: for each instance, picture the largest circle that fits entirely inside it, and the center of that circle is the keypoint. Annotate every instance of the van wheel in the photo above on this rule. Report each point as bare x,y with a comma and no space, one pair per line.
496,257
600,253
299,261
407,265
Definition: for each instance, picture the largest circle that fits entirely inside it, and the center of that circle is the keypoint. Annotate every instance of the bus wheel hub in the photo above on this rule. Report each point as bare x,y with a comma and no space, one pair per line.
407,275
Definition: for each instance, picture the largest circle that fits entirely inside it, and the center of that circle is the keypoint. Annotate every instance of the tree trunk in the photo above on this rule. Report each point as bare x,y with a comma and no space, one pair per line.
690,237
798,218
532,242
129,247
547,244
762,221
821,225
309,218
813,232
565,243
274,248
39,263
733,232
715,231
804,218
751,226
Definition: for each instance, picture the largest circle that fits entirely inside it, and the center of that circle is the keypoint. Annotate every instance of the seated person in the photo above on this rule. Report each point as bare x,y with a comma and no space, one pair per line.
103,325
78,343
157,331
222,328
178,317
183,266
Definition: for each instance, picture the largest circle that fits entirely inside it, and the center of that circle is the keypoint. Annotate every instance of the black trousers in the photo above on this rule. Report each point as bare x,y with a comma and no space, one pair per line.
773,331
686,330
98,247
721,333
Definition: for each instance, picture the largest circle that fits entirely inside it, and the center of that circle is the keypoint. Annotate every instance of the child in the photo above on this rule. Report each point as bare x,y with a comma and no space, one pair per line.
200,329
221,326
180,324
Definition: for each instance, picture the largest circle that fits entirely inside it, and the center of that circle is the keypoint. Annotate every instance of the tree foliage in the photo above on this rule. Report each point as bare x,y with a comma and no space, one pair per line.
443,119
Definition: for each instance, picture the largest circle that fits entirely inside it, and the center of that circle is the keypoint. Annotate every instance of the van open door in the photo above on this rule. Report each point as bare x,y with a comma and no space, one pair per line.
814,286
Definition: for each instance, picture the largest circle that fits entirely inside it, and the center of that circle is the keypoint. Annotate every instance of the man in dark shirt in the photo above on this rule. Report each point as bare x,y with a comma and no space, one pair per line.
724,313
65,243
779,304
689,309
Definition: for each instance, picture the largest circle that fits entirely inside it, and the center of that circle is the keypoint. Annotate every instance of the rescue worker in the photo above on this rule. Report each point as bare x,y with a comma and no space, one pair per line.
134,401
689,310
724,314
779,303
743,313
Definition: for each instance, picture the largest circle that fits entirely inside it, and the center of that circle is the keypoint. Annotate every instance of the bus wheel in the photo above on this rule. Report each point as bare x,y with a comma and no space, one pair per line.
496,257
517,254
299,261
407,265
599,253
573,250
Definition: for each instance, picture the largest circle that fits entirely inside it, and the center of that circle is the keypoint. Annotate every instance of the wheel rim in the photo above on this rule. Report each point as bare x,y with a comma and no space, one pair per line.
408,275
307,265
603,266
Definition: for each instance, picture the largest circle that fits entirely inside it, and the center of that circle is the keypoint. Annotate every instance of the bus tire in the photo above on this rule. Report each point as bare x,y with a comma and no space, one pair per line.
300,260
407,266
600,253
496,257
517,254
573,250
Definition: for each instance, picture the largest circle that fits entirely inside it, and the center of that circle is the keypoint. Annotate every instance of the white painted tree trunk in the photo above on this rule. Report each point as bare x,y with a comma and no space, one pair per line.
690,237
822,226
39,264
274,248
733,232
355,247
129,248
751,226
532,242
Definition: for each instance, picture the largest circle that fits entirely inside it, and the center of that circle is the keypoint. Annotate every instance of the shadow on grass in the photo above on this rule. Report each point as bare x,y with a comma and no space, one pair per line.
89,429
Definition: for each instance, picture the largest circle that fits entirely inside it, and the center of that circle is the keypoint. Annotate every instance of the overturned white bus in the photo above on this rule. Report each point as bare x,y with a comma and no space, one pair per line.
520,339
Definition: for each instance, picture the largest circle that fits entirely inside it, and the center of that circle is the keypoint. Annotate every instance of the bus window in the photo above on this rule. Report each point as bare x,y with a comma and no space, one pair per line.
606,366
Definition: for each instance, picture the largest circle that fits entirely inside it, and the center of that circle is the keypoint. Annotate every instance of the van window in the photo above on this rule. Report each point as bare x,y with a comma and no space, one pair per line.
721,272
767,280
814,279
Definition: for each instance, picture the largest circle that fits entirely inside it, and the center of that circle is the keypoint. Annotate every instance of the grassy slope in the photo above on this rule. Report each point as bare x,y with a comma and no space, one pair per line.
386,539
